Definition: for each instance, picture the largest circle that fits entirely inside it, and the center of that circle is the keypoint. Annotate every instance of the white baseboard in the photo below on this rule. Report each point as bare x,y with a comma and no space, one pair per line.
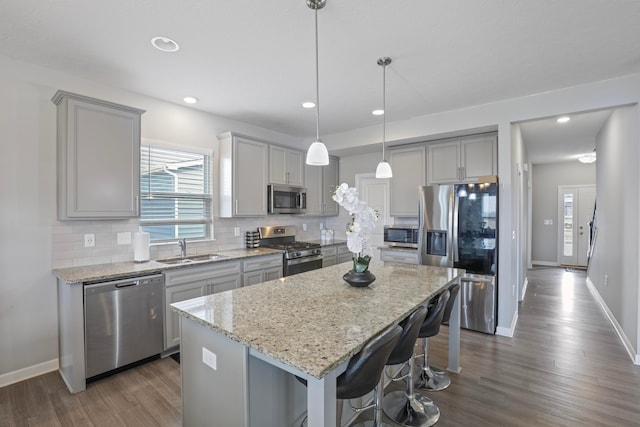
510,331
28,372
545,263
635,357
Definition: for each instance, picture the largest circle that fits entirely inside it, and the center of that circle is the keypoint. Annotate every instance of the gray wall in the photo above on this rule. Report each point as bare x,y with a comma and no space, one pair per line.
544,202
614,265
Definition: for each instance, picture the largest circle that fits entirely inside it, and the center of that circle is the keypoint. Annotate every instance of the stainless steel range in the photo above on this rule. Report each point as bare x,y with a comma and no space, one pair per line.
298,256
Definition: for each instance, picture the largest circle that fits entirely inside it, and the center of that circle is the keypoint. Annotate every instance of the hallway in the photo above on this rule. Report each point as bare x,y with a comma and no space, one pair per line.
565,365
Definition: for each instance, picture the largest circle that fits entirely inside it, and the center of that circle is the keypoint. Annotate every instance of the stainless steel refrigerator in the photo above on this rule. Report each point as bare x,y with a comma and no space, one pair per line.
459,228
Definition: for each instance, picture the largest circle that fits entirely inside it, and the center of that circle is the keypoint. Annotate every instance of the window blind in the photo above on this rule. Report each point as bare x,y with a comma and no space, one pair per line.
175,189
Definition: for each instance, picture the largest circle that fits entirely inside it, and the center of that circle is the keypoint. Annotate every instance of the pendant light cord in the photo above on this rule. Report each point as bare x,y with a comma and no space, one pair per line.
384,108
317,83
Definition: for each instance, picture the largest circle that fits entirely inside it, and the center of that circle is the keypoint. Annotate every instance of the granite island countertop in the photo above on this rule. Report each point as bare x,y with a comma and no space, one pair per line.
90,273
315,321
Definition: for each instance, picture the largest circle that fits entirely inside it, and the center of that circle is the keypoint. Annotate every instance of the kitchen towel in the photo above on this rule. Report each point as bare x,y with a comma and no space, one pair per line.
141,247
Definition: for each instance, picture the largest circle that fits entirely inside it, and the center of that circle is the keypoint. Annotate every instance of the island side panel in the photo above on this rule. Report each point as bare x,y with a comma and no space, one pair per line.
71,335
212,396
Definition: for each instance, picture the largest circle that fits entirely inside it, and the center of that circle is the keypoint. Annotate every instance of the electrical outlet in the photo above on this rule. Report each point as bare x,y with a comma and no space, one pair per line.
124,238
236,231
210,359
606,280
304,227
89,240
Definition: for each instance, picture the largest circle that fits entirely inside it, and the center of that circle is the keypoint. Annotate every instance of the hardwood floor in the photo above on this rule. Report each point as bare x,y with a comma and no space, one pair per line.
565,366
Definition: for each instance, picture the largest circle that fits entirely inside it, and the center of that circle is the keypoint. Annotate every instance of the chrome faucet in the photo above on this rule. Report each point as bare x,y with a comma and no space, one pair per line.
183,247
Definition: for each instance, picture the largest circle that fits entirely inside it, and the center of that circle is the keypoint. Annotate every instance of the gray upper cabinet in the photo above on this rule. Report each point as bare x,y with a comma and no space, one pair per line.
408,166
321,183
463,160
286,166
244,167
98,158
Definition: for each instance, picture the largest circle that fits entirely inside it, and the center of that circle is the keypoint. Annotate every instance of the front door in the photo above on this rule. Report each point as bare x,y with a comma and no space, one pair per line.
576,204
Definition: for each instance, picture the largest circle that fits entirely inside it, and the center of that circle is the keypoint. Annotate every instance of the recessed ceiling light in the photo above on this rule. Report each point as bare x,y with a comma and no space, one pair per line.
377,112
563,119
190,99
308,104
165,44
587,158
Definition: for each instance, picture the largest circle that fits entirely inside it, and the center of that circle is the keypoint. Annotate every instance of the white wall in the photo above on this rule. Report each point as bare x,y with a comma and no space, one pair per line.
616,253
546,179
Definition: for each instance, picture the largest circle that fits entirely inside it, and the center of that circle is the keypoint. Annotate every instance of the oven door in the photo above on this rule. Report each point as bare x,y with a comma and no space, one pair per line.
300,265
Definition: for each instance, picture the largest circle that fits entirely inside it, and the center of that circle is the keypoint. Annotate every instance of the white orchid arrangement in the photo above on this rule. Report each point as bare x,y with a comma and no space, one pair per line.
363,221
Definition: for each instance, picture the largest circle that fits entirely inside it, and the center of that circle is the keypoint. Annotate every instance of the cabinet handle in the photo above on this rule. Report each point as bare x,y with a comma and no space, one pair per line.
137,205
287,177
236,205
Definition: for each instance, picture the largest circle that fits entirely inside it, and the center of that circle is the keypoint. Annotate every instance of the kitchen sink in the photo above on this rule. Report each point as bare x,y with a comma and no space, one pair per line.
191,259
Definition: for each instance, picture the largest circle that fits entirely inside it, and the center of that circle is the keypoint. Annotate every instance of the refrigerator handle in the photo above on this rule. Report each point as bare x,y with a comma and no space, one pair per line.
454,227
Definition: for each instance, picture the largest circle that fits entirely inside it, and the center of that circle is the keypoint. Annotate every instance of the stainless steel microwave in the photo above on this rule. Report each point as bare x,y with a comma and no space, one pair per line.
285,199
402,236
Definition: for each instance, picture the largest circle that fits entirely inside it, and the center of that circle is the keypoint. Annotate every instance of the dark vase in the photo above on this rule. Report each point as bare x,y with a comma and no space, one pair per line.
359,280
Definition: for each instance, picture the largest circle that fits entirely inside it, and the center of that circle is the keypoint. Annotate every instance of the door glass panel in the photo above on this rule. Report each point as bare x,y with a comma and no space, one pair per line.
477,223
567,222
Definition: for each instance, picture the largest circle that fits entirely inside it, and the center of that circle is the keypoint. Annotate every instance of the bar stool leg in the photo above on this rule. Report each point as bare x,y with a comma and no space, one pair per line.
408,408
427,379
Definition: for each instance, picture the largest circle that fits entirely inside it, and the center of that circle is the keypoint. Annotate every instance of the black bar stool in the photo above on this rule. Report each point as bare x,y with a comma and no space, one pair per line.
406,407
364,371
428,379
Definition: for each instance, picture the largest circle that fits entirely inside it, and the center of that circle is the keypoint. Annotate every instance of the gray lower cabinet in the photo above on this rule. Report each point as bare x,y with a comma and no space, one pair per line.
191,282
261,269
98,158
335,254
399,255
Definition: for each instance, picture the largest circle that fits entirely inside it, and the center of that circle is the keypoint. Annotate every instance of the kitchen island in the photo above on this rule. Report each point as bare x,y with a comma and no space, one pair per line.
238,348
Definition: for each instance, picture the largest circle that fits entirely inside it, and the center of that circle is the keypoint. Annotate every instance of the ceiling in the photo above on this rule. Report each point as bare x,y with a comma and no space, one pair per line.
253,60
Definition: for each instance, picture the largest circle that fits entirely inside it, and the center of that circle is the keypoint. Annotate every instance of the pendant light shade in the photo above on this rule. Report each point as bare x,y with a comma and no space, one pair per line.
317,155
384,168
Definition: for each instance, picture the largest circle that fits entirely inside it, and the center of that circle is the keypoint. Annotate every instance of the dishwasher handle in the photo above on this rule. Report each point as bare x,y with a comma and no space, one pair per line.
127,284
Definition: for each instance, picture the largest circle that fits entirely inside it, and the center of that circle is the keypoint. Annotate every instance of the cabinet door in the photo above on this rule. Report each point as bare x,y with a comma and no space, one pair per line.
272,273
250,159
313,180
252,278
444,163
221,284
330,180
173,294
98,158
295,167
479,157
285,166
408,165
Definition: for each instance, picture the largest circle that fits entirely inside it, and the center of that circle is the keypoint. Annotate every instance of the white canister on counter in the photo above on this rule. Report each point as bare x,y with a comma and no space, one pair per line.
141,246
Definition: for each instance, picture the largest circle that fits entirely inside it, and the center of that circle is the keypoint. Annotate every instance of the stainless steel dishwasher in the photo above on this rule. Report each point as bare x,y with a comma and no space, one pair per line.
123,322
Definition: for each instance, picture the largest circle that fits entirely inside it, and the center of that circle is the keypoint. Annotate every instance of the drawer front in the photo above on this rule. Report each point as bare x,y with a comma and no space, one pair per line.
260,263
201,272
343,249
399,256
329,251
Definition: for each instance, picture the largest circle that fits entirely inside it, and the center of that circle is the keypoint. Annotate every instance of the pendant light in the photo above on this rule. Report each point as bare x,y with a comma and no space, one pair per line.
384,168
317,155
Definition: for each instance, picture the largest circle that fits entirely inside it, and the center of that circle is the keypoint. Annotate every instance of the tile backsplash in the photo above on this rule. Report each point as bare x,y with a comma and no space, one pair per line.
68,249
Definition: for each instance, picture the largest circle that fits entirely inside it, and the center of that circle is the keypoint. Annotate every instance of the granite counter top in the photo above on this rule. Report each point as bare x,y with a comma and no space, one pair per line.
124,269
315,321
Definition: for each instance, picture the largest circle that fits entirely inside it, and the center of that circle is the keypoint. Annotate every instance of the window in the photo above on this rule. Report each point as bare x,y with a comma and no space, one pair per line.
175,189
